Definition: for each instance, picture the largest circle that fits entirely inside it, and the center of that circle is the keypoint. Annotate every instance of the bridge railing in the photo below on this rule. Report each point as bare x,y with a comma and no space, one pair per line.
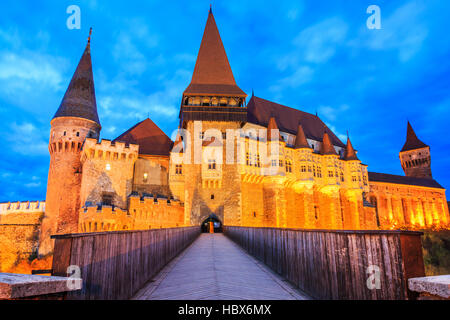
338,264
115,265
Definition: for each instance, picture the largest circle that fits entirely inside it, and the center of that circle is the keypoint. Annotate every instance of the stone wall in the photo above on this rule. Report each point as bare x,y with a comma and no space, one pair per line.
142,214
409,207
19,232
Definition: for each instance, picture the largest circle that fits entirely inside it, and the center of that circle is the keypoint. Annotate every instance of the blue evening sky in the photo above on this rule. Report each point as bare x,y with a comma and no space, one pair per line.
311,55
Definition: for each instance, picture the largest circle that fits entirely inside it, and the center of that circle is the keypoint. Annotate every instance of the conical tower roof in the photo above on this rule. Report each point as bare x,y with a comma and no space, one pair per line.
212,73
79,100
273,126
300,139
350,153
327,147
412,142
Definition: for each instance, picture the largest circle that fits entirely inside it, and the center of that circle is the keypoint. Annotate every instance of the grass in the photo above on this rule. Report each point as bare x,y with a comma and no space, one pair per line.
436,252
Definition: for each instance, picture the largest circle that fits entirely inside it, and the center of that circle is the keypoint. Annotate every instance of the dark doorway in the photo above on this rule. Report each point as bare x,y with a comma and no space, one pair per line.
216,223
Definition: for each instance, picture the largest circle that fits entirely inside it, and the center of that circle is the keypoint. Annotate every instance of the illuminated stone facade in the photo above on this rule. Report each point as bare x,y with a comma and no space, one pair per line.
254,163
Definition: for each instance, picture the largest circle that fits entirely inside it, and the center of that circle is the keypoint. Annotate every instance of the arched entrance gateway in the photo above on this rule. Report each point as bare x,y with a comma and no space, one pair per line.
211,220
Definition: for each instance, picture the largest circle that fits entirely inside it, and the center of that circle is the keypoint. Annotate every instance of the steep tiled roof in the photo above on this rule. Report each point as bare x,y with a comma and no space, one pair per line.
272,125
212,73
79,100
326,147
300,139
260,111
391,178
350,153
150,138
412,142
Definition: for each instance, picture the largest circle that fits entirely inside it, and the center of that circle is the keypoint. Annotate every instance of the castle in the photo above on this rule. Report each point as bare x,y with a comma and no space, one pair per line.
255,163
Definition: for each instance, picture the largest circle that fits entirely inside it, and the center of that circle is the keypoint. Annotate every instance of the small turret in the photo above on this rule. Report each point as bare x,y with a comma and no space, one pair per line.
273,133
350,153
415,156
327,147
300,139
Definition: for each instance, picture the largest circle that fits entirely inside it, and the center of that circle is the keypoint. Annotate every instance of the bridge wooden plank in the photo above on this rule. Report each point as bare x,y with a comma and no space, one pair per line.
214,267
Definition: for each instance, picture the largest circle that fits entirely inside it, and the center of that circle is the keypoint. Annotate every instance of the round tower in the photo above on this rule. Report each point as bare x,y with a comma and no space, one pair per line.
415,156
75,120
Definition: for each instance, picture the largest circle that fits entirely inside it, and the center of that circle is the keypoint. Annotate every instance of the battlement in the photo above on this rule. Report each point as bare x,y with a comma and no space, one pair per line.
150,199
22,206
109,150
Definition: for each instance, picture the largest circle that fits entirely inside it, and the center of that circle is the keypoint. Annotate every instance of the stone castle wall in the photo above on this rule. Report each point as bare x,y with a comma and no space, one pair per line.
148,213
20,224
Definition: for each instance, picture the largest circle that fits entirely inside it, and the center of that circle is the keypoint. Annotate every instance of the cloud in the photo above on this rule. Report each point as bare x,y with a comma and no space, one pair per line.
318,43
134,104
402,31
26,139
19,73
332,113
300,76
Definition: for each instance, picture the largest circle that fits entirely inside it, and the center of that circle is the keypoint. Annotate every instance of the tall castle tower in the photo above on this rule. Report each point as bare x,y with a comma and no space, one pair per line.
415,156
211,104
75,120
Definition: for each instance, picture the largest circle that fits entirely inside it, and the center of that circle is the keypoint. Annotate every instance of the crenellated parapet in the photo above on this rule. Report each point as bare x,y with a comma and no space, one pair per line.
108,150
22,212
146,212
22,206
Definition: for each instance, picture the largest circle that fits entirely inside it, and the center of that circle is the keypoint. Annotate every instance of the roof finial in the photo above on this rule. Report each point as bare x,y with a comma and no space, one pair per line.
210,8
253,92
347,135
89,38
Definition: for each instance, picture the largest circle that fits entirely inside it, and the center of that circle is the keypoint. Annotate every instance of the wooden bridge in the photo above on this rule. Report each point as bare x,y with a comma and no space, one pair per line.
241,264
215,268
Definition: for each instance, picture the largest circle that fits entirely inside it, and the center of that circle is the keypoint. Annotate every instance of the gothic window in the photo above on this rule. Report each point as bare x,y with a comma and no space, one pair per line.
309,168
342,177
212,164
64,133
280,163
319,172
314,171
288,166
178,169
247,158
78,134
303,168
274,163
201,135
354,178
258,161
330,173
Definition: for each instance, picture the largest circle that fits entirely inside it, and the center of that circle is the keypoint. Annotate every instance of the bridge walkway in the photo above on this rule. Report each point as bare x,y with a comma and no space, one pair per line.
215,268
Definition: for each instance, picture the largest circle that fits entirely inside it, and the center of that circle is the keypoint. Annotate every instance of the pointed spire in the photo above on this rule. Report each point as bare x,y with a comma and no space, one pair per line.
271,135
79,100
212,73
89,38
327,147
412,142
300,140
350,153
253,93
